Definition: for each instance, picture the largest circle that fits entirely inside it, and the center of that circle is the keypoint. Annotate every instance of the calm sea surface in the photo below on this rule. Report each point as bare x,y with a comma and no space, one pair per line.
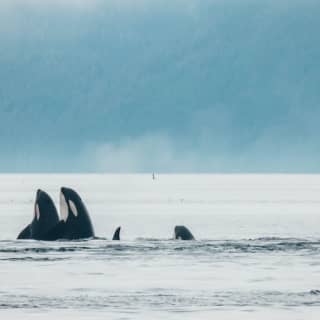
257,254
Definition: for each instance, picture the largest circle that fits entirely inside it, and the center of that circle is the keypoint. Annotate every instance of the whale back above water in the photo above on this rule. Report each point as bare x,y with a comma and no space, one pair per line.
183,233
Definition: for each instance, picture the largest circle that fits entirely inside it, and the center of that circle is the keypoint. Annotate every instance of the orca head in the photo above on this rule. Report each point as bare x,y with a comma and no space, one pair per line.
182,233
71,205
177,232
45,215
75,214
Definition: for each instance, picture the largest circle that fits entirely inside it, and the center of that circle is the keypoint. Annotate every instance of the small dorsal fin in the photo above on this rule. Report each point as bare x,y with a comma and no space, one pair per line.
116,235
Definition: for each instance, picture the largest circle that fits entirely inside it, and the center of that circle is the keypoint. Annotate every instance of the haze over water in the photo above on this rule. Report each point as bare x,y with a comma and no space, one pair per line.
256,254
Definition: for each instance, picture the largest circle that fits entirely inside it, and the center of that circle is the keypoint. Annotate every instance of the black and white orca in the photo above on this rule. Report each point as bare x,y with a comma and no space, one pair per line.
45,218
76,222
183,233
116,235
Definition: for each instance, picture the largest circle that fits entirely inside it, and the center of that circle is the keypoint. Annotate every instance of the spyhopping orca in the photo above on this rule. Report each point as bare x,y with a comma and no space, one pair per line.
44,219
76,222
183,233
116,235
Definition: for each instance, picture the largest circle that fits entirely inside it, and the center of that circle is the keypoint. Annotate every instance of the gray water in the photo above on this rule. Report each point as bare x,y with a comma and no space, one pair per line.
256,255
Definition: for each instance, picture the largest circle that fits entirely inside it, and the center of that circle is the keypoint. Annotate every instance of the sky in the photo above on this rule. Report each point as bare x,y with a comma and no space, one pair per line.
167,86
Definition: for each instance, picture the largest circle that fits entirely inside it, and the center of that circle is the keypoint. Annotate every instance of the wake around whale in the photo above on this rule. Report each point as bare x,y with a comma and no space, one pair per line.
75,223
44,219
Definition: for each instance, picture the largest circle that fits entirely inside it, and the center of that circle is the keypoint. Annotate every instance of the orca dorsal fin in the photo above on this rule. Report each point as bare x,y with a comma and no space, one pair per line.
116,235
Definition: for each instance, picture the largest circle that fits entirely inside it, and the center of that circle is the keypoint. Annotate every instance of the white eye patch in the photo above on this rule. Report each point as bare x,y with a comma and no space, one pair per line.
73,208
37,211
63,207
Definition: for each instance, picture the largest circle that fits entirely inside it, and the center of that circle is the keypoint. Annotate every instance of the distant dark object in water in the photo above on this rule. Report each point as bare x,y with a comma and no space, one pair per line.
182,233
45,218
316,292
116,235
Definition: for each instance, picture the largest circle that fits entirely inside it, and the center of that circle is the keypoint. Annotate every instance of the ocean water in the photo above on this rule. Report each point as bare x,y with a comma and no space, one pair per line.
257,253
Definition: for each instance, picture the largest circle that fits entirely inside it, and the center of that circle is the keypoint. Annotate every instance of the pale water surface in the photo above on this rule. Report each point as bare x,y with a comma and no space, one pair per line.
256,255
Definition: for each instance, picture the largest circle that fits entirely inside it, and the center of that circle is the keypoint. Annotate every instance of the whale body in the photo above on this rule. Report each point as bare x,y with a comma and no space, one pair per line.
76,223
183,233
44,219
25,233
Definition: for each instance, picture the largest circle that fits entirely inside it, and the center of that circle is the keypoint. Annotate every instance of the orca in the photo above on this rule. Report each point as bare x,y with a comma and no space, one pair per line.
76,222
44,219
182,233
116,235
25,233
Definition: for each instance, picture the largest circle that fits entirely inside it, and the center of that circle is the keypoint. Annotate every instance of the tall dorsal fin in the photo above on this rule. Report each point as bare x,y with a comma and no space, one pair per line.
116,235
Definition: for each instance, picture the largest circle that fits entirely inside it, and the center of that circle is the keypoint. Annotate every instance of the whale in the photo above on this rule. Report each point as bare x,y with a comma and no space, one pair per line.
45,218
25,233
73,211
75,220
116,235
182,233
